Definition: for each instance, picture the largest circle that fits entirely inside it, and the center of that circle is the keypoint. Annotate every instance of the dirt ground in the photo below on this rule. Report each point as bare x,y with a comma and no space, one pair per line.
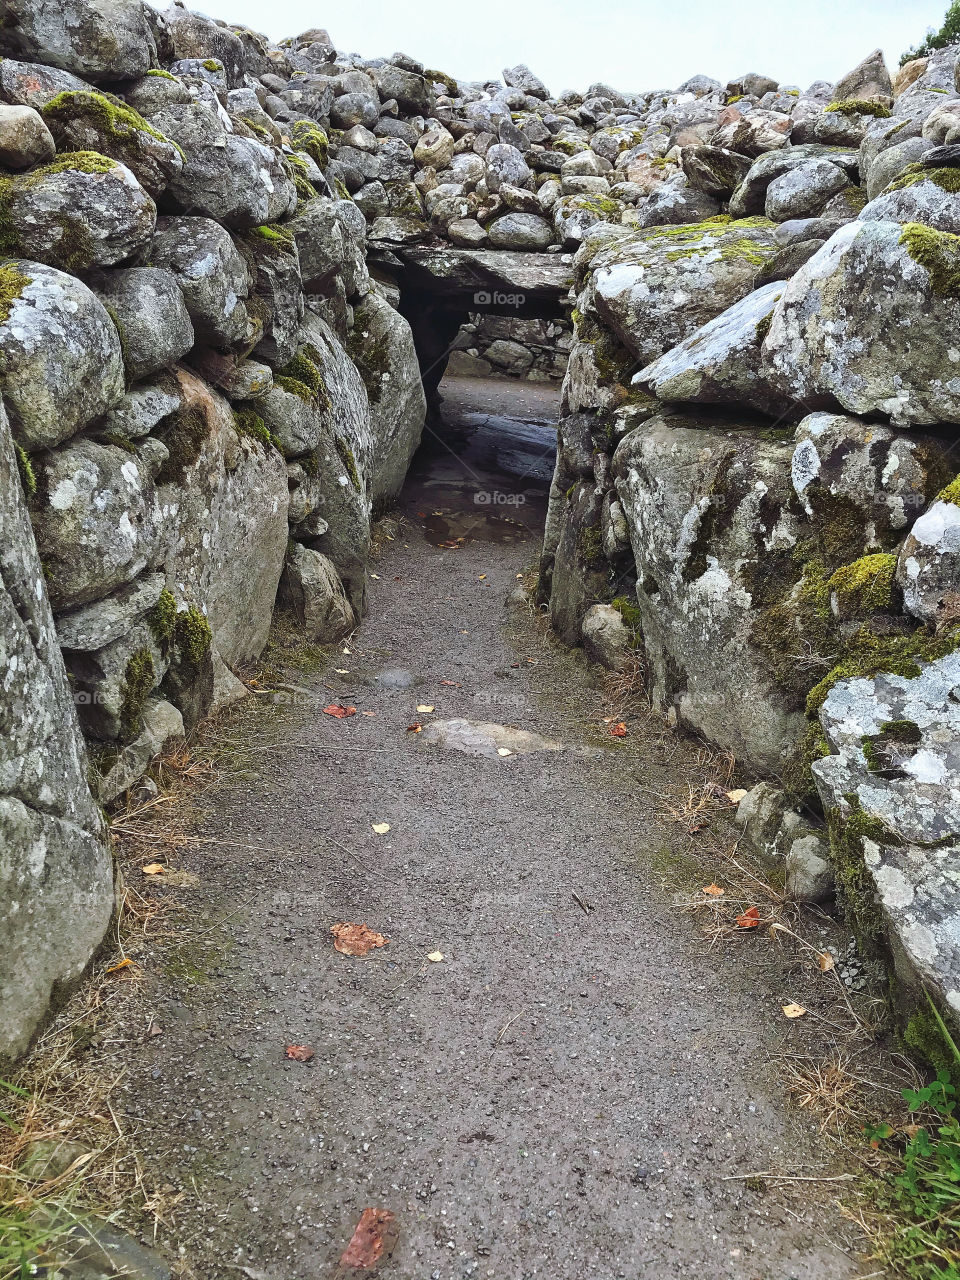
568,1092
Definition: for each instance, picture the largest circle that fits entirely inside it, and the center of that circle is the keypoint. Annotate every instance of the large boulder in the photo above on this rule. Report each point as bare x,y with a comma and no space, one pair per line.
83,210
97,517
88,121
238,181
60,355
656,287
891,789
720,363
381,346
211,273
868,81
274,264
108,40
24,139
146,305
56,872
193,36
842,332
225,495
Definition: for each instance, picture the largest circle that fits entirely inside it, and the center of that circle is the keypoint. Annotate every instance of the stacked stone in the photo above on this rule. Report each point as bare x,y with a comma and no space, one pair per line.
757,473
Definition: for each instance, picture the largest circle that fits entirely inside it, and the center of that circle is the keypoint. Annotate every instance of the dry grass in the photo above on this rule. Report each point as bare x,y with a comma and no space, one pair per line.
64,1091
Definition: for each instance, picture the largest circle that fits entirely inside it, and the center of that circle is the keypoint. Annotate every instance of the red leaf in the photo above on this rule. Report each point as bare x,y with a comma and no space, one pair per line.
299,1052
619,730
416,727
341,712
750,918
356,939
373,1238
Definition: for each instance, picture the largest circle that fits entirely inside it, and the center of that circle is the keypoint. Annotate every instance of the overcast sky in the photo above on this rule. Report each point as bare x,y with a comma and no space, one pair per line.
631,45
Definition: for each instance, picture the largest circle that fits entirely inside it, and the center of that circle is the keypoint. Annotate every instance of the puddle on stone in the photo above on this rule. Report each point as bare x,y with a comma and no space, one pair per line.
485,475
484,738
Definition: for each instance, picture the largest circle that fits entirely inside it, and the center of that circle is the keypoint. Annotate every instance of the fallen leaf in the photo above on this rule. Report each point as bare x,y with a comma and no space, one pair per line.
826,961
435,956
452,684
736,796
154,1029
481,578
421,515
750,918
375,575
416,727
374,1237
424,708
298,1052
341,671
619,730
504,751
356,939
794,1010
714,890
153,869
339,711
381,828
368,713
124,964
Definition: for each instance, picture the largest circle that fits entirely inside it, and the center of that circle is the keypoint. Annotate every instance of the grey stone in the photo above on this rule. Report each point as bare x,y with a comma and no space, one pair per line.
111,40
527,231
607,639
31,85
210,272
720,363
924,201
147,306
382,347
840,331
56,871
311,590
911,804
928,567
869,80
77,124
78,217
60,355
24,138
803,191
162,724
506,164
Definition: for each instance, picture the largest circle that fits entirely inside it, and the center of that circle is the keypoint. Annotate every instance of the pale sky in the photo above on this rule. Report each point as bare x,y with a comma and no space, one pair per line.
633,46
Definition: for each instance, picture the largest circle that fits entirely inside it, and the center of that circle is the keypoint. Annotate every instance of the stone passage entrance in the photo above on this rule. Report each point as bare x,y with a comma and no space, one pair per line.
440,289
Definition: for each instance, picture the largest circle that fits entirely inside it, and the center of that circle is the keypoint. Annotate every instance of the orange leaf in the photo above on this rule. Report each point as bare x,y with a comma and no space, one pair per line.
714,890
619,730
750,918
153,869
356,939
339,711
124,964
416,727
298,1052
374,1237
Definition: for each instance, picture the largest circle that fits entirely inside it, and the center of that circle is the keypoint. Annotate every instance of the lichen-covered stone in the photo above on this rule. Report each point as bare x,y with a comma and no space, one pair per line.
872,322
654,288
60,355
311,590
211,273
110,40
928,568
56,874
146,305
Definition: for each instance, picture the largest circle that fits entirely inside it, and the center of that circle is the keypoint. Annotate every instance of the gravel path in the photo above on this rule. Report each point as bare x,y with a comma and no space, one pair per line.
565,1094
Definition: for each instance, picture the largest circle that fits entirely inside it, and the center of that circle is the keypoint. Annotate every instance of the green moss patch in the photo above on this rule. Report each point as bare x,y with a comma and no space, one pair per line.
193,635
349,462
951,493
28,477
310,138
116,122
251,424
139,680
938,252
859,107
163,618
868,655
865,586
12,284
945,179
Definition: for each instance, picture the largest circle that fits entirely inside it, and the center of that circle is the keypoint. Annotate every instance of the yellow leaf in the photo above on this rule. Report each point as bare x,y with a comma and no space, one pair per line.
794,1010
425,709
375,575
153,869
504,751
341,671
381,828
736,796
435,956
481,578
